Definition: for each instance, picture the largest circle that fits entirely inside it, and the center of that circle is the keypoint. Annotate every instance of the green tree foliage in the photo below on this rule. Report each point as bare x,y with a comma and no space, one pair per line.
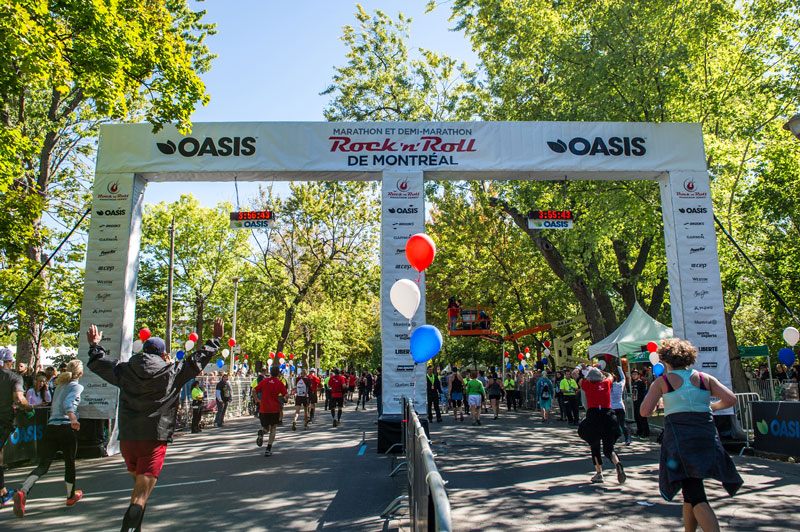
66,67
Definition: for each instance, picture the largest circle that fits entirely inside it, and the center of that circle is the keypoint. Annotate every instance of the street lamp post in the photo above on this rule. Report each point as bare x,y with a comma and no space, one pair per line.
793,125
233,330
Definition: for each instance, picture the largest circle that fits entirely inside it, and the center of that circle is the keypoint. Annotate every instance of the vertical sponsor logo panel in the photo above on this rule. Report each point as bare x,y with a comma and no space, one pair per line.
701,309
402,215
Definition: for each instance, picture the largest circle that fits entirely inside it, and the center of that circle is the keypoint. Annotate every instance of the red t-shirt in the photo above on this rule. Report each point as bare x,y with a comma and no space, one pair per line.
315,382
598,394
270,388
452,312
336,384
352,381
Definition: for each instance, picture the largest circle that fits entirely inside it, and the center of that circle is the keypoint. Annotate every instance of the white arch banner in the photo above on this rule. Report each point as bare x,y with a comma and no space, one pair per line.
130,155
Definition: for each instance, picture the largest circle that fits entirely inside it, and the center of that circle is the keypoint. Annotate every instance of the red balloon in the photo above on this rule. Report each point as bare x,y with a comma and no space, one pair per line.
144,334
520,356
236,357
245,357
291,356
193,337
652,346
420,251
547,343
272,355
231,342
506,354
280,355
527,350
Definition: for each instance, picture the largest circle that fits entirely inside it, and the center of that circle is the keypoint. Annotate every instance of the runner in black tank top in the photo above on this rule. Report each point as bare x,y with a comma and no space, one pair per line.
457,394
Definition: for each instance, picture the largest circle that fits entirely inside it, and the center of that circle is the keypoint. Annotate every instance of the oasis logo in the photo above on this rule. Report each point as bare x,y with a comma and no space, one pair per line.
225,146
788,429
693,210
111,212
27,434
404,210
615,146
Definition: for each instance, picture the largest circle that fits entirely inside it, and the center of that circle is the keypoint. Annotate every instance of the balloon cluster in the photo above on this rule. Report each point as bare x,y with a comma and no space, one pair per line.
426,340
658,367
786,355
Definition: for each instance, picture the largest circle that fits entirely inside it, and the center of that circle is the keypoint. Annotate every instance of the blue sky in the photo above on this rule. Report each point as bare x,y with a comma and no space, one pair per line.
275,57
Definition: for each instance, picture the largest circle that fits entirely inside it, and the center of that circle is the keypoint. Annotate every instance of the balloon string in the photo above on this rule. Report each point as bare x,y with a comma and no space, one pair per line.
418,278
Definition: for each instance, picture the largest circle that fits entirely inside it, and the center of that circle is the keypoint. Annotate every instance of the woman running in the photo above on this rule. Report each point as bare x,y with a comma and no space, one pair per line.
494,389
60,434
691,449
457,394
600,424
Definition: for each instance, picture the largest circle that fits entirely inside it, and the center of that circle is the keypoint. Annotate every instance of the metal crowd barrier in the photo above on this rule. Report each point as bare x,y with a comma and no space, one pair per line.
429,507
240,405
743,416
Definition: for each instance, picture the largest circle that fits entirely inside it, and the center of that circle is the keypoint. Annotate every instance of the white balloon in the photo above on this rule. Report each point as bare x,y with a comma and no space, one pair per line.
188,345
269,361
601,364
137,346
546,351
282,361
654,358
225,353
527,355
405,297
791,335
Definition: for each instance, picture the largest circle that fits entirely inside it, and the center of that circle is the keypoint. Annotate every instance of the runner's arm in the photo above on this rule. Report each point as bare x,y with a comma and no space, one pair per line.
726,397
19,400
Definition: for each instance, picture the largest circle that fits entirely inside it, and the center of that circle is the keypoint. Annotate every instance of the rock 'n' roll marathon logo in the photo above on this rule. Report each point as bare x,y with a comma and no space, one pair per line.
421,146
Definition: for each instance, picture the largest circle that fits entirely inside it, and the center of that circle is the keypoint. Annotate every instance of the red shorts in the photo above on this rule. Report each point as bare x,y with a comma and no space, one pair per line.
144,457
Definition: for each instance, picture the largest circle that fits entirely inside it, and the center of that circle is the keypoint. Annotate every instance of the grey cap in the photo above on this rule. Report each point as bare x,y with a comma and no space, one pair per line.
594,375
6,355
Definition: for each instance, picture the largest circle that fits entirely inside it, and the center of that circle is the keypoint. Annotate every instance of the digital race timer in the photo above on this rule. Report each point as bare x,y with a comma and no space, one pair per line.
251,215
550,215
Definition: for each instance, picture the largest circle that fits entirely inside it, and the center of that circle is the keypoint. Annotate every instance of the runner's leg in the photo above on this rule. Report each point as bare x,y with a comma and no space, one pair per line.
142,487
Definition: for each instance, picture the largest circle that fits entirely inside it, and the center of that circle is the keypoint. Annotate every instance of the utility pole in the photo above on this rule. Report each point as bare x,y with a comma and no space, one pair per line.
169,285
233,330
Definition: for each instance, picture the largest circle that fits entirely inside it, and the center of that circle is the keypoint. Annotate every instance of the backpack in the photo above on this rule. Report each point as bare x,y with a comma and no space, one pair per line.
545,393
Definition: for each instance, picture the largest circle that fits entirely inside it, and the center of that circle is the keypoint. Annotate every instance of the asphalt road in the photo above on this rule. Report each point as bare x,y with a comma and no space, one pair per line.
516,473
220,480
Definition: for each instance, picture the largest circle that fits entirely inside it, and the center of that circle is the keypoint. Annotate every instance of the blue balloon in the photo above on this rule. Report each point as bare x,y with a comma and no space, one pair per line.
658,369
282,367
426,342
544,361
220,363
521,367
508,365
786,356
179,355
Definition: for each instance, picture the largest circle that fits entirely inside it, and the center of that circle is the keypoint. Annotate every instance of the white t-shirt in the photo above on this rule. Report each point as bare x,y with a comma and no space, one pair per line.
35,399
302,391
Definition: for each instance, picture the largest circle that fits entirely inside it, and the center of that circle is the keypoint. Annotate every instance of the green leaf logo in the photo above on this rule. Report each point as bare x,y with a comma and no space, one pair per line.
238,224
762,426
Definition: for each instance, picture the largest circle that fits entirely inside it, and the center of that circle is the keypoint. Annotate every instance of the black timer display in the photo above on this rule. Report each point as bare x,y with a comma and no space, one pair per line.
251,215
551,215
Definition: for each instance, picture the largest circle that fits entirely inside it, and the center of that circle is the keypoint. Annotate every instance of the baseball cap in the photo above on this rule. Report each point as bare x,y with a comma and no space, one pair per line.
6,355
154,346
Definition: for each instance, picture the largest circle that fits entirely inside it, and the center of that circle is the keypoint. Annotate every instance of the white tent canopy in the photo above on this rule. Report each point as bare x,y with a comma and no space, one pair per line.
637,329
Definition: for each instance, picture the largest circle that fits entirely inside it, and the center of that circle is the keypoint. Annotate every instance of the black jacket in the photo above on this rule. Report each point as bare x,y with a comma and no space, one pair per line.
149,389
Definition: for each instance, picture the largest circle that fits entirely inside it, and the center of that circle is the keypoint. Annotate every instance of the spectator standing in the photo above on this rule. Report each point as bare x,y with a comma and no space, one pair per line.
452,312
198,401
60,434
434,389
639,390
50,374
559,395
569,389
510,386
223,397
39,394
378,391
10,394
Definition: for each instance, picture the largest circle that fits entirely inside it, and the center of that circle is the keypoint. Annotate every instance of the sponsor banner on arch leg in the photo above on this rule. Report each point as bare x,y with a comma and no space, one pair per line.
693,266
402,215
110,281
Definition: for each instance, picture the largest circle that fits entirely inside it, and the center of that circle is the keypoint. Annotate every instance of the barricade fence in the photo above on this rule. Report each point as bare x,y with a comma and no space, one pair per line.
241,403
744,414
429,506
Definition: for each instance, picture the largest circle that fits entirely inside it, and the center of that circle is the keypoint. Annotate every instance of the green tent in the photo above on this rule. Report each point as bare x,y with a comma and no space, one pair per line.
634,333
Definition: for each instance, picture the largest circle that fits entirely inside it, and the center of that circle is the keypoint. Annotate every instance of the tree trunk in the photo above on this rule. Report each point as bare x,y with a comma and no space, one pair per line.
29,326
604,303
555,260
288,316
657,297
738,378
199,304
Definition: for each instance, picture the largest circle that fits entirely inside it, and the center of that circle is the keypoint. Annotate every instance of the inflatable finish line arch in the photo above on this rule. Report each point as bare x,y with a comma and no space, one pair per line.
401,156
